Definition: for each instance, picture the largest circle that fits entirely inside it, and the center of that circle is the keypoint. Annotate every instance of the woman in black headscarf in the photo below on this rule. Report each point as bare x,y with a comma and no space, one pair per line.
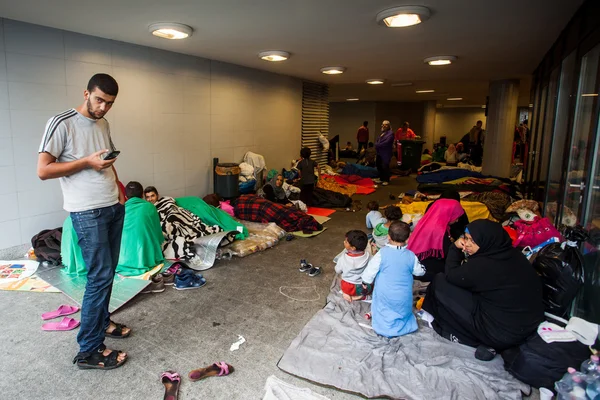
490,297
274,191
457,228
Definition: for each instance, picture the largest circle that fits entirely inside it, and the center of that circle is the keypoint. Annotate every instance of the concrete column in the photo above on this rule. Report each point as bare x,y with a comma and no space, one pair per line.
502,109
429,110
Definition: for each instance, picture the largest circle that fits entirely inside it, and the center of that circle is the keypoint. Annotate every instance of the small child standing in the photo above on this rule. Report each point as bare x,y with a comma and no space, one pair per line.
306,168
351,263
391,272
374,217
380,231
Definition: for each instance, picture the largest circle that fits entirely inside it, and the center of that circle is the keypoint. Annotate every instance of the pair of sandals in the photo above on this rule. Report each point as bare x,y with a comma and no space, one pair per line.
96,359
171,379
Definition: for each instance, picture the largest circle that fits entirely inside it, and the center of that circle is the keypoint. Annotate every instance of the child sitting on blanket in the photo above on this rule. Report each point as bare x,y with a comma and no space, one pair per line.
351,263
380,232
374,217
391,272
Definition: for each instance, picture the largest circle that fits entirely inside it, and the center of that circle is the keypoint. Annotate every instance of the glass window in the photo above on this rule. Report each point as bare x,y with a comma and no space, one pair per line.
535,140
582,137
561,126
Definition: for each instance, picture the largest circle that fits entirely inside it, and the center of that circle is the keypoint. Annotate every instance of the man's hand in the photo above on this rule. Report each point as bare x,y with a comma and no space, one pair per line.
94,161
460,243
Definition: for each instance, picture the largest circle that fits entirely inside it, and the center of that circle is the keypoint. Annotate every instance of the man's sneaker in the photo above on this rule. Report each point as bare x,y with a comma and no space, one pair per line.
485,353
314,271
304,266
156,286
189,281
168,279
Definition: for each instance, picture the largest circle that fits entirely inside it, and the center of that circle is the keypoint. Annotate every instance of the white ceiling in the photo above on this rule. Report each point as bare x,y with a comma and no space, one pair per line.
492,39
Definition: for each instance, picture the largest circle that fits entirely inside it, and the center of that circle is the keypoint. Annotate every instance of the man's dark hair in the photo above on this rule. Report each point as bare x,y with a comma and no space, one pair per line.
399,231
480,122
371,144
134,189
393,213
357,239
426,151
150,189
305,153
348,142
373,205
365,123
104,82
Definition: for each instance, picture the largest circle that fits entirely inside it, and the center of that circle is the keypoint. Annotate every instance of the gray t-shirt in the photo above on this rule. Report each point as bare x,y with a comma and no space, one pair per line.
70,136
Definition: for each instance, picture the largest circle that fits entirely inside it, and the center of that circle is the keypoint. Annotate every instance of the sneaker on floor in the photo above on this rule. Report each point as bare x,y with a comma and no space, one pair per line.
385,183
314,271
168,279
485,353
189,281
156,286
305,267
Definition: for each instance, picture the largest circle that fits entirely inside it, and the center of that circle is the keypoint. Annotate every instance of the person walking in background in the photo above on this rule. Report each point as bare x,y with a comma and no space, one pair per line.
384,152
362,136
73,149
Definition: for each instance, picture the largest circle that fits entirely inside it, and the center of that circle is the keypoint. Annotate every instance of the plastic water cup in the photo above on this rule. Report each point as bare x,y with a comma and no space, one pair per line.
546,394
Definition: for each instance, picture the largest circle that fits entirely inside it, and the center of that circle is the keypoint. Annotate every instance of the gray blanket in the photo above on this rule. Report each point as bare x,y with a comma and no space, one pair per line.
338,348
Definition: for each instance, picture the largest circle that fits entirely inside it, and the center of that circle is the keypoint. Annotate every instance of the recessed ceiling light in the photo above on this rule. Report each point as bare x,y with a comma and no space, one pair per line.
353,99
400,17
589,95
274,55
454,98
170,30
425,91
333,70
402,84
530,105
440,60
375,81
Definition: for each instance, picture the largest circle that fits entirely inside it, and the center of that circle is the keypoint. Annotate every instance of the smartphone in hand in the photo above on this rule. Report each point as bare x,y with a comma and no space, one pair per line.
110,155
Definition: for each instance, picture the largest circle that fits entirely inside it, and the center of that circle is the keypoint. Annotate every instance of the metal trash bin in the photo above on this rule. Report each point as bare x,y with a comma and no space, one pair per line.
227,183
411,154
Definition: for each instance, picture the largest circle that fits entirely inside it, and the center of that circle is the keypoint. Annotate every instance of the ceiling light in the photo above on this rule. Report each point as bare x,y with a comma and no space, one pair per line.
402,84
375,81
454,98
530,105
353,99
440,60
483,106
589,95
425,91
274,55
333,70
400,17
170,30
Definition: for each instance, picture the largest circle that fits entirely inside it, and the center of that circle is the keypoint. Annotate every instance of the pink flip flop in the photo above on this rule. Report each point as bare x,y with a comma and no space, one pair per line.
66,324
60,312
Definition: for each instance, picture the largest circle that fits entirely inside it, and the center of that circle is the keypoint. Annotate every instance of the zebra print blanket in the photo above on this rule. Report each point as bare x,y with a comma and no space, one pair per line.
180,228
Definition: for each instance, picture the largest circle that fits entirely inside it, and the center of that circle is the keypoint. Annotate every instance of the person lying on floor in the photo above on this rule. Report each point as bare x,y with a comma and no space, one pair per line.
380,231
257,209
431,238
151,194
180,228
141,241
391,271
351,263
458,228
491,300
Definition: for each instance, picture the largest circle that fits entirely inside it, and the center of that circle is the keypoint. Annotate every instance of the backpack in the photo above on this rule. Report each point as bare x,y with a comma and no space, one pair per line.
46,245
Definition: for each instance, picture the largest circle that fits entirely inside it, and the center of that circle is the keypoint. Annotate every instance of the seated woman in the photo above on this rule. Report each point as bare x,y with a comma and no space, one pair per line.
493,301
458,228
274,191
431,238
141,242
256,209
451,156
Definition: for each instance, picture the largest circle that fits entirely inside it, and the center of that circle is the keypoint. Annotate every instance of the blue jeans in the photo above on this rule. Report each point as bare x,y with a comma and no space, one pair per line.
99,237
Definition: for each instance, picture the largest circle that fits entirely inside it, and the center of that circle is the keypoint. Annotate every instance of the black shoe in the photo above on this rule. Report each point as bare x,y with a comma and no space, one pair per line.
305,267
485,353
314,271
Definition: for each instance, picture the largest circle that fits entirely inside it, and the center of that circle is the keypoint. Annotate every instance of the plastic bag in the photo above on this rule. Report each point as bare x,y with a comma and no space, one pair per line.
560,266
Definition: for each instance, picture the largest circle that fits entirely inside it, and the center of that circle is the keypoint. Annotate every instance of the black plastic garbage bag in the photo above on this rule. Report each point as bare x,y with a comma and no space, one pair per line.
560,266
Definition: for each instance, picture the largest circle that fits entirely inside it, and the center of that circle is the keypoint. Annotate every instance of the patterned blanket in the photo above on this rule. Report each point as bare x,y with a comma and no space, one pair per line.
180,228
256,209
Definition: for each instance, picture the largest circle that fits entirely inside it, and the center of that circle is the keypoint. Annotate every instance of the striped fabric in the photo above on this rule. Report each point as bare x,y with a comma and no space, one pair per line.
52,125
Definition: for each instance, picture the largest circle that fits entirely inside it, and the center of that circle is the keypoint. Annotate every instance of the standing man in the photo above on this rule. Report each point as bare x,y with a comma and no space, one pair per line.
383,146
72,150
405,132
362,136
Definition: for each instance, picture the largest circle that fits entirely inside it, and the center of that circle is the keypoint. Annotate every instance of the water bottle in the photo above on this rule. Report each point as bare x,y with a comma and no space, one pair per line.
590,365
593,389
571,386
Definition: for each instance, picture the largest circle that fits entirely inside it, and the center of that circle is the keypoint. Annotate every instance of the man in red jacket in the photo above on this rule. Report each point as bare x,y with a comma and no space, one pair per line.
362,136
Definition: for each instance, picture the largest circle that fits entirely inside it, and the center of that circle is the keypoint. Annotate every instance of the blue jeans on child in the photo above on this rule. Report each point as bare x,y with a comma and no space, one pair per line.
99,236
